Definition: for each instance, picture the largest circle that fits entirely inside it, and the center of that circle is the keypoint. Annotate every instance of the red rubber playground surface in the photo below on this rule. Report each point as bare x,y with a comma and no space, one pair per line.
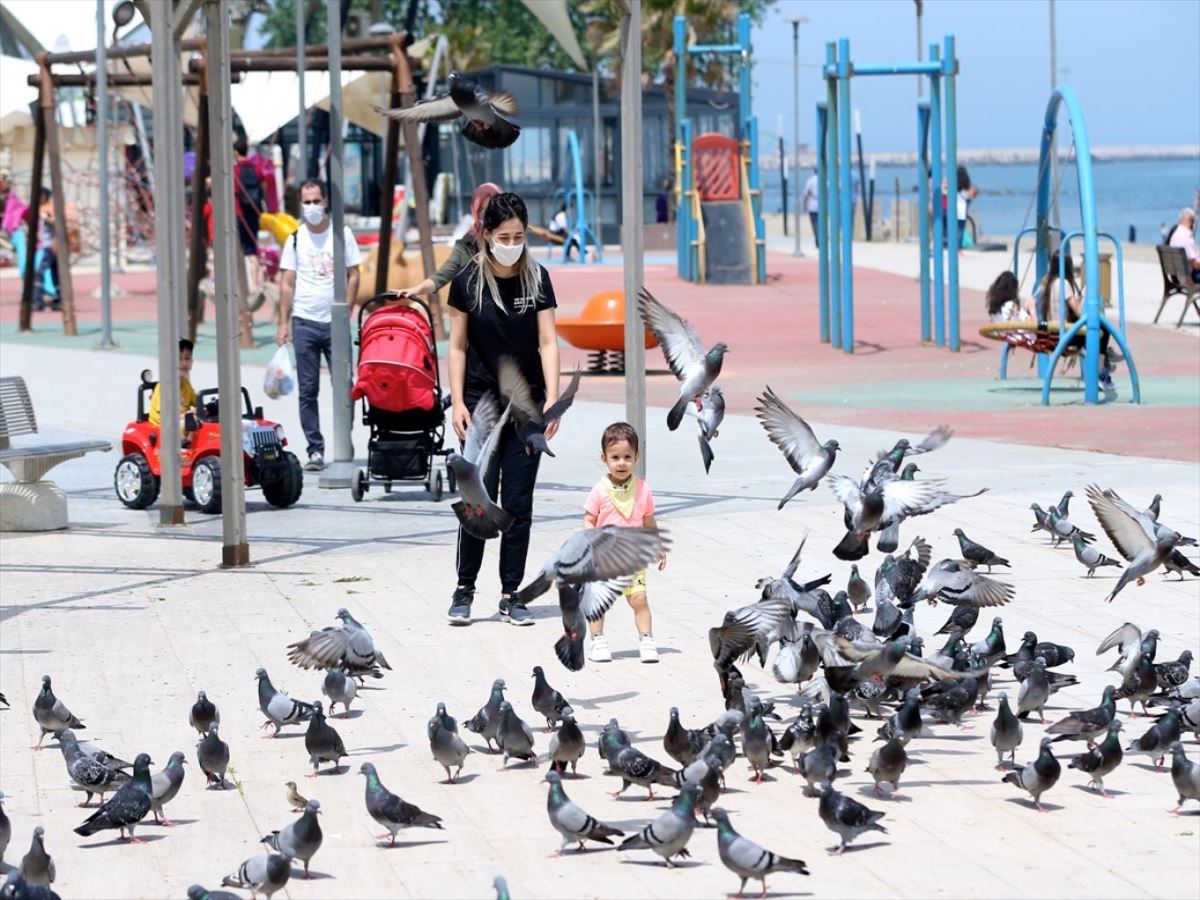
890,381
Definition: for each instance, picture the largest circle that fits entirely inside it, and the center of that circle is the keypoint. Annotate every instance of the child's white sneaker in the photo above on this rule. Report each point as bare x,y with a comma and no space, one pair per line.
647,649
599,651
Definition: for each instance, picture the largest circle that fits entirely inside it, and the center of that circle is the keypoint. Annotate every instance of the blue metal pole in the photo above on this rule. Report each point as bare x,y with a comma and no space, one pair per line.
847,196
691,231
921,68
683,211
951,70
923,211
833,236
935,191
822,231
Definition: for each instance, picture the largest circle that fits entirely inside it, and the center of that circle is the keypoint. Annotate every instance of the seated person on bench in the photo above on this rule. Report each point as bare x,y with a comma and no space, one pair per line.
1004,300
1183,236
1046,298
187,394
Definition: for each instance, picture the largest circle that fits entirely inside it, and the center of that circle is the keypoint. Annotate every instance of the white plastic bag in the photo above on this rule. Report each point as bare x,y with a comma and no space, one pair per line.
281,374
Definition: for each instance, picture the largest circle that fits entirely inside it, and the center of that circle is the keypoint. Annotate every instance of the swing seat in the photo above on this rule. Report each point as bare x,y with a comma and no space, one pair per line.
1024,335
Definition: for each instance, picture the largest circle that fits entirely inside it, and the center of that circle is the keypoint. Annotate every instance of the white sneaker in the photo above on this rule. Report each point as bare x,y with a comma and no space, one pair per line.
599,651
647,649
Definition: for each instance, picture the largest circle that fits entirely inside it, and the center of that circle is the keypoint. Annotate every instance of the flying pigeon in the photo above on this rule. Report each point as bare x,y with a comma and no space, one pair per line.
526,412
476,511
951,582
710,415
794,437
1131,643
695,367
1146,544
487,118
580,605
597,554
349,647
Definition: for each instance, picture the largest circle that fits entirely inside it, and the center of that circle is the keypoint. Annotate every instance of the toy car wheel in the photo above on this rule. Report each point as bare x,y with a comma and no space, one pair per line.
359,485
206,484
286,490
136,485
387,487
451,481
436,493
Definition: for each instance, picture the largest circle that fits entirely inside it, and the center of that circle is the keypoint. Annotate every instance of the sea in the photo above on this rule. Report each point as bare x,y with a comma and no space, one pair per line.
1138,194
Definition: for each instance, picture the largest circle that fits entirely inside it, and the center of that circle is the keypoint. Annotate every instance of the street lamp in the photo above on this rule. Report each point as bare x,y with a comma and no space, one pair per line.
920,12
796,23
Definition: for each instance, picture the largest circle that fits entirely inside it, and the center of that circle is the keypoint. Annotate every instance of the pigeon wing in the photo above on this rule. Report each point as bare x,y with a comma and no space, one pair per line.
613,552
322,649
787,431
597,597
493,440
1130,531
847,491
1125,636
515,387
680,343
436,109
565,399
483,423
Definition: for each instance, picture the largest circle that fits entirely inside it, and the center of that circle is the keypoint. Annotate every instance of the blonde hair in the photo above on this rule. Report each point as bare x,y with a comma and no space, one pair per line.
500,209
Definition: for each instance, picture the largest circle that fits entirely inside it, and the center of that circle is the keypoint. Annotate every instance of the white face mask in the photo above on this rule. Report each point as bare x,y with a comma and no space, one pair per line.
508,254
313,214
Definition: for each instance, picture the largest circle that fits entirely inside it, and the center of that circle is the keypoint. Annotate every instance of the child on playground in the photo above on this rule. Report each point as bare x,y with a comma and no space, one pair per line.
622,499
1004,301
187,394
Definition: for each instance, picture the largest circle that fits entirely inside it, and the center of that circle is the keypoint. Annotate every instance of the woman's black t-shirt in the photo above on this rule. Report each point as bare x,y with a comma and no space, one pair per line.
493,332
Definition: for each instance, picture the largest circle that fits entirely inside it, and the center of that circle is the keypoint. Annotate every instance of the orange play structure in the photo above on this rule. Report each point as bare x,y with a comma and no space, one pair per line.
600,328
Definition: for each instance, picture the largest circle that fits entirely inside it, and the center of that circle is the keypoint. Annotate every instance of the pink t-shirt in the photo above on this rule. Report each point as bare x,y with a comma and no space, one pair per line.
600,505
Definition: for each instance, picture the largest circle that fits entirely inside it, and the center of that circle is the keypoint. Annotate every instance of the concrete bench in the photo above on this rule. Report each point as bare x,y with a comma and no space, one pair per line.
29,503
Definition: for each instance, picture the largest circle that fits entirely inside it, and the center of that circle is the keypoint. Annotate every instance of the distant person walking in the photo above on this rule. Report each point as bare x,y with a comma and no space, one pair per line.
1184,237
966,193
810,201
306,305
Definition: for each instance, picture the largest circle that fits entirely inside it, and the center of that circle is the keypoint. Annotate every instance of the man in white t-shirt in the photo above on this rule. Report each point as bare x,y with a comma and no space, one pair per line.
306,305
1184,237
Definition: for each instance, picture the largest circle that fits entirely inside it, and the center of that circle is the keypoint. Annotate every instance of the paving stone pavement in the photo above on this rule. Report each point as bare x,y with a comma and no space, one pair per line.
132,620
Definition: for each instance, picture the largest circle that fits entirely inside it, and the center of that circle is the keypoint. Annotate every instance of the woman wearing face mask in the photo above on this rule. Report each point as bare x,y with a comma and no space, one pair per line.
501,304
465,248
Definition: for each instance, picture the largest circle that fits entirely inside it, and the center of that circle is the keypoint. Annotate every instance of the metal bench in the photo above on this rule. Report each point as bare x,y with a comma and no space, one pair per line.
29,503
1177,281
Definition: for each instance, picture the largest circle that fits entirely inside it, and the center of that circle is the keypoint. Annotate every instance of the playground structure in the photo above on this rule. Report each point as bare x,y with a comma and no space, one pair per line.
1050,343
600,329
580,204
835,194
720,233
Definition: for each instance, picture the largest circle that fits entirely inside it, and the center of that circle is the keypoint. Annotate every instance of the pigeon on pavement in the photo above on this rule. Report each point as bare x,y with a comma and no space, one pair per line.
199,892
128,806
567,746
905,723
746,859
1035,691
1063,530
569,819
548,702
794,437
213,755
1090,557
1102,758
611,742
682,744
887,765
203,713
689,362
669,834
846,817
1038,776
1185,775
1087,724
263,873
479,515
857,589
710,415
1006,733
301,838
529,416
514,736
635,767
389,810
37,866
339,688
1180,564
89,772
1138,685
1144,543
278,707
486,722
486,118
1174,672
977,553
17,888
165,785
448,749
348,647
51,714
1156,741
322,742
597,554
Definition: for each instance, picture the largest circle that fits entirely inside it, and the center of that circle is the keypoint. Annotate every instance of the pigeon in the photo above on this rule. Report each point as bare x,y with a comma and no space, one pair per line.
389,810
991,648
213,755
710,415
501,888
597,554
301,838
1031,648
264,873
90,772
747,631
1138,685
1087,724
810,460
569,819
904,448
5,831
204,712
165,785
514,736
486,118
1185,775
1062,530
951,582
51,714
1035,691
322,742
3,700
486,722
1144,543
819,765
1102,758
1159,737
757,742
877,501
635,767
669,834
1038,776
1174,672
846,817
18,889
567,746
801,597
296,800
879,664
477,512
526,412
578,606
447,747
1006,733
128,806
348,647
339,688
37,866
199,892
857,590
1062,507
278,707
947,700
887,765
798,738
547,701
689,362
798,659
898,578
1090,557
1131,643
682,744
611,742
905,723
977,553
746,859
1179,563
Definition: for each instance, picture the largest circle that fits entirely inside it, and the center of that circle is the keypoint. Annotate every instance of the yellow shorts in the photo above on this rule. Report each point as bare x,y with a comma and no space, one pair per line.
637,585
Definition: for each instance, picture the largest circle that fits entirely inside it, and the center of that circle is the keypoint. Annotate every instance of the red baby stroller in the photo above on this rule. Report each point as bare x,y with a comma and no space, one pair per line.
400,387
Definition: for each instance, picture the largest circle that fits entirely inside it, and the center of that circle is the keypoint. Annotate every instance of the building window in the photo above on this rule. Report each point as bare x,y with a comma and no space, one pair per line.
530,159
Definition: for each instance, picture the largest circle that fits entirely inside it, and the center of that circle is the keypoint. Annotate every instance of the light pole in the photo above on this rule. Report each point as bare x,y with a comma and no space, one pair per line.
1053,141
796,23
920,43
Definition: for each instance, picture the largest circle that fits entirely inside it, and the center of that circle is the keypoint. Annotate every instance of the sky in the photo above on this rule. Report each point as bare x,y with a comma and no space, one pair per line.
1121,56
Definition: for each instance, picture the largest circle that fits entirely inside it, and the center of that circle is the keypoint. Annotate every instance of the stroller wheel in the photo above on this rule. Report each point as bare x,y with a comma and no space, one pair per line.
359,485
387,487
451,481
436,493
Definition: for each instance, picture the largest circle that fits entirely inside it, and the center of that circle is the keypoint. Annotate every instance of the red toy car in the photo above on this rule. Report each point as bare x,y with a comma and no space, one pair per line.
267,464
